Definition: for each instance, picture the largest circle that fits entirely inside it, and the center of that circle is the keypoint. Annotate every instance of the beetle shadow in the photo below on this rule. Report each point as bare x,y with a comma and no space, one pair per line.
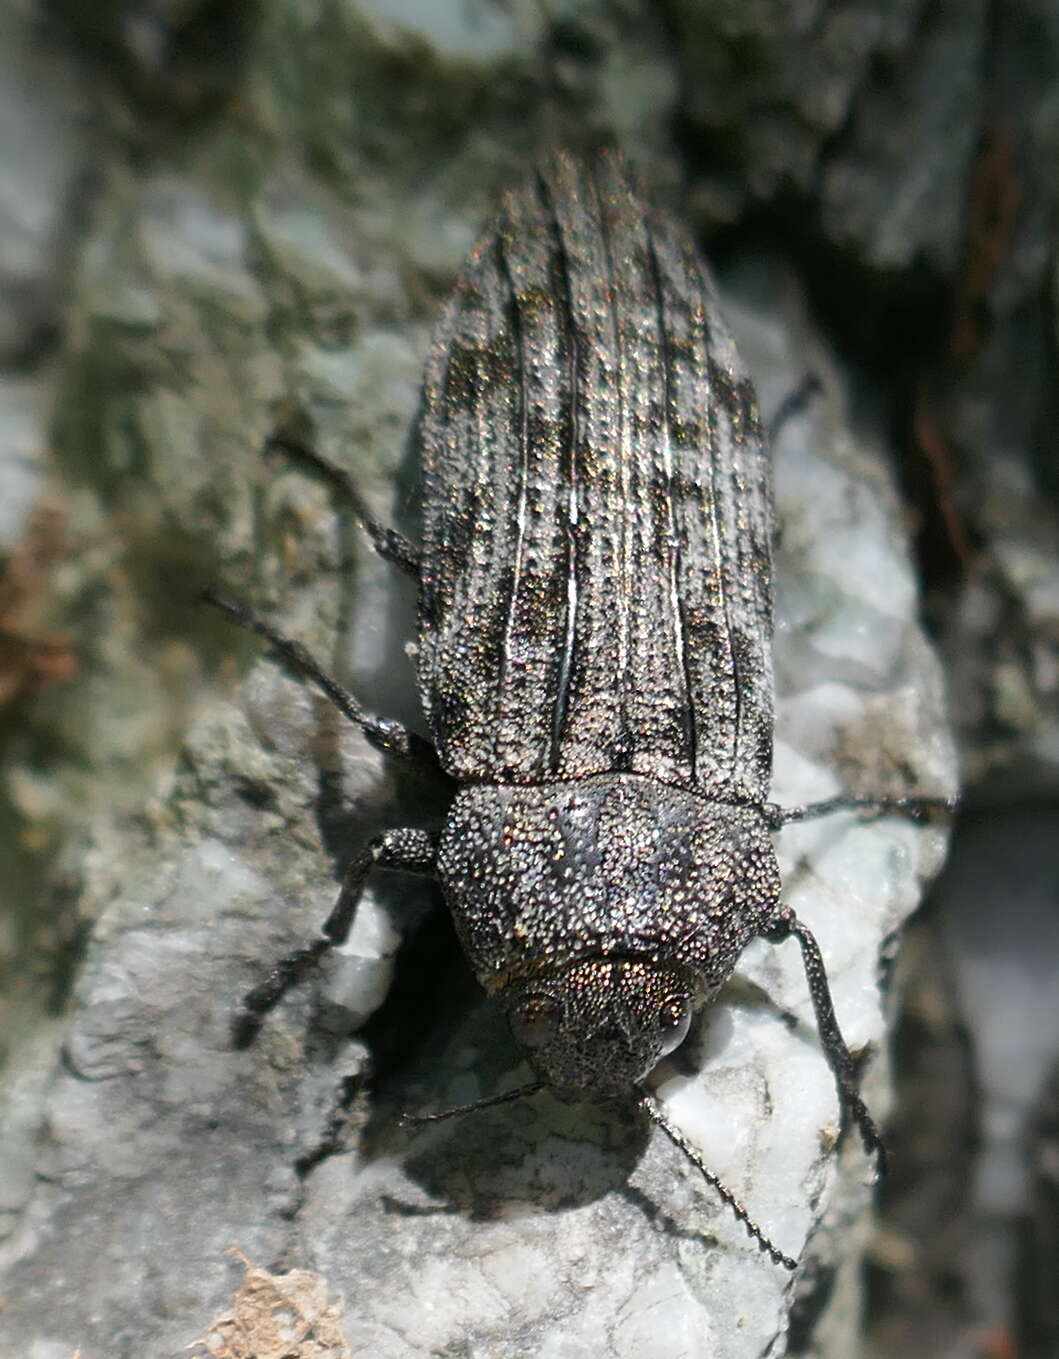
548,1158
540,1153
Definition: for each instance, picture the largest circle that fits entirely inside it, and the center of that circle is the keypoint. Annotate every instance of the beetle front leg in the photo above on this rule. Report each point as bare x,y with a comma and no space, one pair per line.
410,851
783,925
385,734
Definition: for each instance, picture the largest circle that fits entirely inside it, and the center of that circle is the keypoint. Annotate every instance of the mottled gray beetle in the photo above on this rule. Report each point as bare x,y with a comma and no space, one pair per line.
595,605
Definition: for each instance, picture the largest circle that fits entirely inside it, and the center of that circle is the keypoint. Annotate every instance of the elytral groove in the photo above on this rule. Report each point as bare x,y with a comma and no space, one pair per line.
721,553
626,505
524,459
679,620
569,467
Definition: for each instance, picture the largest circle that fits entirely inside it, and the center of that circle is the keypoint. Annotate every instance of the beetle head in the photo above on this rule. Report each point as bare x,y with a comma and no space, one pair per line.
599,1026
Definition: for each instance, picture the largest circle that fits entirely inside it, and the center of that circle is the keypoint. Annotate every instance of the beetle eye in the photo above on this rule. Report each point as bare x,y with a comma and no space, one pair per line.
674,1020
535,1021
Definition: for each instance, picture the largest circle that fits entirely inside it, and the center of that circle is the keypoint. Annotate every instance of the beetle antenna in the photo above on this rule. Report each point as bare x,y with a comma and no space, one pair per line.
414,1120
657,1114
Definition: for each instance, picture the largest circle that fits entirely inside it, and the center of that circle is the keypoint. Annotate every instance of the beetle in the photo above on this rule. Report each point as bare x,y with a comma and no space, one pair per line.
595,632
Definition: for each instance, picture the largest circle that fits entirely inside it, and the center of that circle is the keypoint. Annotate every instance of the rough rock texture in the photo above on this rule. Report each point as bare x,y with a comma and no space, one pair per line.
1039,1255
868,110
43,146
289,243
982,419
539,1226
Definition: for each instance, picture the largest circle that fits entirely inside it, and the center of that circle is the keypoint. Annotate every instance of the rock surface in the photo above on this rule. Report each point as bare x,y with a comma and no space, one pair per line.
540,1225
197,803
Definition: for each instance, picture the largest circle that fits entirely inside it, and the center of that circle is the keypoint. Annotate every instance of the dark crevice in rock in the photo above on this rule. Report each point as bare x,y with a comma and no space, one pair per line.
815,1290
432,989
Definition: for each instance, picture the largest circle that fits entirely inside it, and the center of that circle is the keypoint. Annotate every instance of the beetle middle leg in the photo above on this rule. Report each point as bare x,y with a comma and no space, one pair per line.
916,807
385,733
793,404
408,850
785,925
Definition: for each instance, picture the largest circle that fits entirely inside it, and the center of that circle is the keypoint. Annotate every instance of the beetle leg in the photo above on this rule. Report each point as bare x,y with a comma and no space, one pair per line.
410,851
388,543
783,925
919,808
384,733
794,403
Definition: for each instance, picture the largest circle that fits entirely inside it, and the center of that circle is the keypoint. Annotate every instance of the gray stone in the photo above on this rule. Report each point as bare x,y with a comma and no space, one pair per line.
24,406
300,253
894,189
42,150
